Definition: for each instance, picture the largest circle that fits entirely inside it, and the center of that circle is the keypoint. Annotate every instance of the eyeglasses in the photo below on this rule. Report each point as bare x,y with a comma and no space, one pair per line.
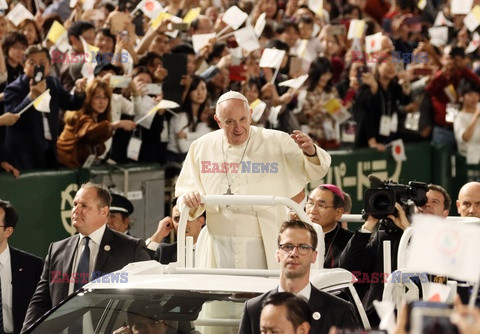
302,249
320,206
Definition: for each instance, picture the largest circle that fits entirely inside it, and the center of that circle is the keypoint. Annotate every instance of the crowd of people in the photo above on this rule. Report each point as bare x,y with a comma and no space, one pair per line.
106,72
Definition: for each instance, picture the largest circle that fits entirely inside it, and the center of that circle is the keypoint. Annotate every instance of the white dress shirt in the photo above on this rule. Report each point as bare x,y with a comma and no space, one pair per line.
6,275
94,245
305,292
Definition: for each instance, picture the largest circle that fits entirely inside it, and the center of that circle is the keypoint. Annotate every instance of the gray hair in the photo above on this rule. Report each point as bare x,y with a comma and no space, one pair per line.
217,109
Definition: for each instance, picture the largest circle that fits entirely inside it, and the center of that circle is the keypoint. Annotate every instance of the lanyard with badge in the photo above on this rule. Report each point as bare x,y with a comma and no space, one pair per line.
389,119
134,145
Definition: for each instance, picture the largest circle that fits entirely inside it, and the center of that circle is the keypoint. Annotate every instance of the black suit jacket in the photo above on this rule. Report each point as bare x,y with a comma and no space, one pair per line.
25,144
26,271
335,243
363,255
122,250
333,312
166,253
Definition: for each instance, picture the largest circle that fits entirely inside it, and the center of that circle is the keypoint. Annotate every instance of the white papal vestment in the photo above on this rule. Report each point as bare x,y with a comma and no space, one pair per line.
273,164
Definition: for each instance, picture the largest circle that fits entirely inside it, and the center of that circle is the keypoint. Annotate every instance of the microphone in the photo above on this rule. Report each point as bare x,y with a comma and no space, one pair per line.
375,181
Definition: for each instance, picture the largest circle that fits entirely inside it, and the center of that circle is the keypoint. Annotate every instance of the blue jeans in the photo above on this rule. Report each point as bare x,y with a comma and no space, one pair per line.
444,136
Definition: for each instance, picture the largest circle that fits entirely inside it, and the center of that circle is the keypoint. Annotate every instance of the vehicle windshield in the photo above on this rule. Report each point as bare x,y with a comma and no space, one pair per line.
153,312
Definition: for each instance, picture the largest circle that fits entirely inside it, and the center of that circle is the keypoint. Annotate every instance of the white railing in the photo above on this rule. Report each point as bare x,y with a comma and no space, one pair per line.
186,259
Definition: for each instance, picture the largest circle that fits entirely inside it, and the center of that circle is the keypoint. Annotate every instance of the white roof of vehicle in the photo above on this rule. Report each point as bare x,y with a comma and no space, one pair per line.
152,275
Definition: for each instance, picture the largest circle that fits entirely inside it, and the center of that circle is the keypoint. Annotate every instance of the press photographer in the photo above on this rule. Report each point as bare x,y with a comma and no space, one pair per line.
387,208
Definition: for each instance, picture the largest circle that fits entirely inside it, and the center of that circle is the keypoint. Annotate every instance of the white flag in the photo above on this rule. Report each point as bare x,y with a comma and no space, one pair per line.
398,150
200,40
272,58
273,116
234,17
18,14
295,83
444,248
149,108
460,6
42,103
260,24
247,39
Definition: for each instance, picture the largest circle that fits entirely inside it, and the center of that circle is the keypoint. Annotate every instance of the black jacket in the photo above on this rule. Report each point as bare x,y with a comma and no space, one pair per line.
333,312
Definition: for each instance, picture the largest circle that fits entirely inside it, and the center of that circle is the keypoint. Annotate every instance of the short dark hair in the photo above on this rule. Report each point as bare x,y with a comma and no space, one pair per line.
10,39
103,194
305,19
298,224
107,33
36,48
148,59
284,25
11,216
139,69
26,22
78,28
278,44
298,310
447,199
457,51
183,48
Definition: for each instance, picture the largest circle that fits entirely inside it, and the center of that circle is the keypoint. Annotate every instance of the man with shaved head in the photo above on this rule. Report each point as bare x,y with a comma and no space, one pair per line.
468,202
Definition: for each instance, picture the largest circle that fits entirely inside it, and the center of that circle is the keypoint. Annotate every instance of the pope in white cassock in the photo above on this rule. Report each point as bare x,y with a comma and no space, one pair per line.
245,160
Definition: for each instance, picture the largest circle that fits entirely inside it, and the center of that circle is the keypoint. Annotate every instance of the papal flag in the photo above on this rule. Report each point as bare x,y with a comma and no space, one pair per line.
42,103
58,35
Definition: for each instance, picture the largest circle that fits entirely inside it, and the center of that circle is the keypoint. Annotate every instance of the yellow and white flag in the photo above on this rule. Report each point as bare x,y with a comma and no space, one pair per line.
58,35
162,16
192,14
89,65
316,6
258,107
356,29
42,103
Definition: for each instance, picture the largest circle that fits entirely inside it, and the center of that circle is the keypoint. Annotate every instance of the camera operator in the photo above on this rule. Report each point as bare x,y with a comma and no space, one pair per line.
388,207
438,202
364,254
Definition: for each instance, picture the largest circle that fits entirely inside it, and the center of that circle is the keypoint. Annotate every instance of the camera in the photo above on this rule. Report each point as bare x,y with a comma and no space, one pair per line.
379,201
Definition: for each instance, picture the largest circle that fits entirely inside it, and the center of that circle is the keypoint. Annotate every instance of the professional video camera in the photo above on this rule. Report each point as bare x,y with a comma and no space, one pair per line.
379,201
